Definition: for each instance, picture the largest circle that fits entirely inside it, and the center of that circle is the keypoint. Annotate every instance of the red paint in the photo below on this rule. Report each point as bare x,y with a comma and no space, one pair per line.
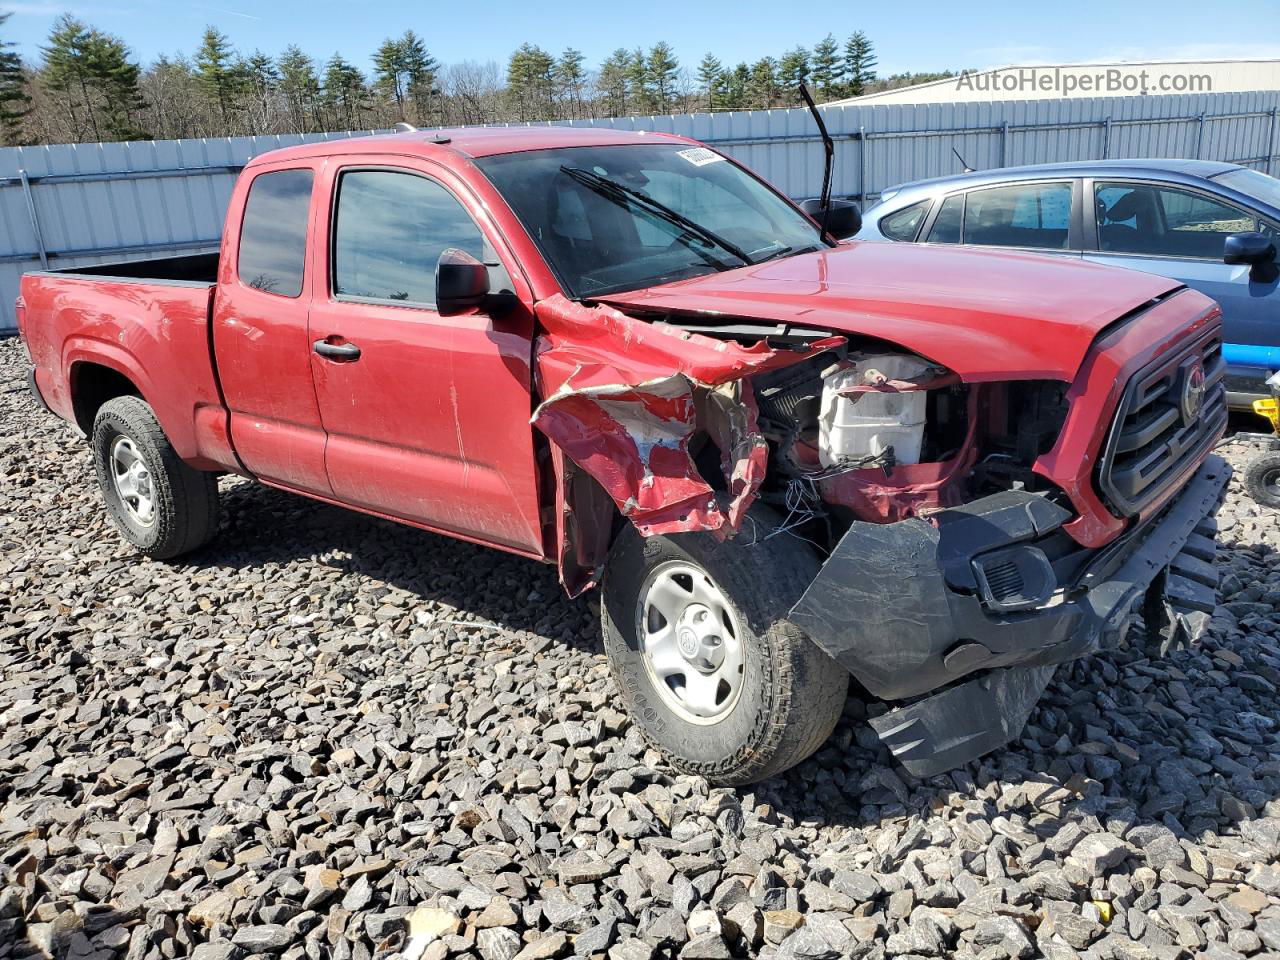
984,315
1093,397
433,425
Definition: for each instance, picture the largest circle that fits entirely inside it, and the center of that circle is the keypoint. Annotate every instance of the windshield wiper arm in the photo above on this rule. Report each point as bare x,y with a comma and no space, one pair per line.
613,189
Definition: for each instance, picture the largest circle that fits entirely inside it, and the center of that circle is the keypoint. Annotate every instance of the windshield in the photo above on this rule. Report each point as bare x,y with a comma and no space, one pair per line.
619,218
1253,183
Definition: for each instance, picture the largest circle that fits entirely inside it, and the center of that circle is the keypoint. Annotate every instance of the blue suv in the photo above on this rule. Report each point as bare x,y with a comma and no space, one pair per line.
1213,226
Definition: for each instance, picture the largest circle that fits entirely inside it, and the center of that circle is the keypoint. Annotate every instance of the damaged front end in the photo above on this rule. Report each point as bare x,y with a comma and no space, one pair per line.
952,583
637,407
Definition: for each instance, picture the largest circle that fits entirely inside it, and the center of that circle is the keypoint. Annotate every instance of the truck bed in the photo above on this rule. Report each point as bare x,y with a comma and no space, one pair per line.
145,320
191,268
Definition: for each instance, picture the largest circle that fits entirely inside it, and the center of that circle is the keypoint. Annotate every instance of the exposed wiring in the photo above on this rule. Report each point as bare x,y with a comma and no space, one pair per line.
802,498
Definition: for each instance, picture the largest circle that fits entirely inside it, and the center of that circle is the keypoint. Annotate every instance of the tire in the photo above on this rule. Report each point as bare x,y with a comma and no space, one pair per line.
789,694
183,502
1262,479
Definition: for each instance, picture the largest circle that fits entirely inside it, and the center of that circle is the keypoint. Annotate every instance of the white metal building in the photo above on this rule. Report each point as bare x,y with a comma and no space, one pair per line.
1077,80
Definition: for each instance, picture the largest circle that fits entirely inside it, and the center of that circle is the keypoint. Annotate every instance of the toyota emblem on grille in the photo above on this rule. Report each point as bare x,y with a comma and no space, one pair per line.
1192,392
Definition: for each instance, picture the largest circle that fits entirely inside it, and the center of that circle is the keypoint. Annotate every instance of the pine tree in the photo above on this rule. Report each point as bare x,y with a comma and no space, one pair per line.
116,77
299,88
66,71
387,77
639,88
793,70
762,88
263,80
662,68
405,72
14,101
736,85
221,73
827,69
710,77
420,71
344,92
570,77
530,82
612,82
859,64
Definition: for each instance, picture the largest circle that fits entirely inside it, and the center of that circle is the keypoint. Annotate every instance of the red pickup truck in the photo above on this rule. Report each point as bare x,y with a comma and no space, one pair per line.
786,458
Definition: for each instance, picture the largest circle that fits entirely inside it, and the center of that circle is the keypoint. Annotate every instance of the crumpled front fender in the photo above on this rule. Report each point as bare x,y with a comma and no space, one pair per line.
624,399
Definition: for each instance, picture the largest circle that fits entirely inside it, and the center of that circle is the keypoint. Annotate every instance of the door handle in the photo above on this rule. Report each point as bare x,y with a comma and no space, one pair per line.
343,352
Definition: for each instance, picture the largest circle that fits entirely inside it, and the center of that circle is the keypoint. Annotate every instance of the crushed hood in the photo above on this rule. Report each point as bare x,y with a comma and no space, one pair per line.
986,315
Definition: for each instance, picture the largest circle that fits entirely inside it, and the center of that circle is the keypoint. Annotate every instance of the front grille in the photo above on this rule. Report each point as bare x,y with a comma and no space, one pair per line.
1157,433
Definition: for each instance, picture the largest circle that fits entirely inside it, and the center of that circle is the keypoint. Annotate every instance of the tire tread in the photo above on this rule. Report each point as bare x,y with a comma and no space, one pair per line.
187,510
809,688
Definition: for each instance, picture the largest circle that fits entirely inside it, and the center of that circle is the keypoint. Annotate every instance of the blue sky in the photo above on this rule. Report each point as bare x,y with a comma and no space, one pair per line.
922,35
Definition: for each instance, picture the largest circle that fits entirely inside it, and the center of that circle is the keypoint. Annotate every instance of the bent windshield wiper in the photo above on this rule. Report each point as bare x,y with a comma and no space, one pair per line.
620,191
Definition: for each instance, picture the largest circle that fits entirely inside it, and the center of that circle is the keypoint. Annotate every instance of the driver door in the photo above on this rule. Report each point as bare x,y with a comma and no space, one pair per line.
426,416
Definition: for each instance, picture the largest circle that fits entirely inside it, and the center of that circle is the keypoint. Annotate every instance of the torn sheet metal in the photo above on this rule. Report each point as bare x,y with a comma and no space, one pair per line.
626,398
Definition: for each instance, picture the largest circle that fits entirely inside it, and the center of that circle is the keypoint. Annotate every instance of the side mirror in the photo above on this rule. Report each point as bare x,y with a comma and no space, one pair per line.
462,282
1254,249
844,219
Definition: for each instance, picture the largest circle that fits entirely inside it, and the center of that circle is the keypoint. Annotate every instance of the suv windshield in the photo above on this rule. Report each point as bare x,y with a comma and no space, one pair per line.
619,218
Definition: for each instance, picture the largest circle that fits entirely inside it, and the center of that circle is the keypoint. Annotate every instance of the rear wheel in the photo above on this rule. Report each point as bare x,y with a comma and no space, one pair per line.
1262,479
162,506
711,674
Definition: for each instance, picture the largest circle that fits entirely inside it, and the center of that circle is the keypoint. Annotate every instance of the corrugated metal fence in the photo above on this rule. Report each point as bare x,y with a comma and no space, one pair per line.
81,204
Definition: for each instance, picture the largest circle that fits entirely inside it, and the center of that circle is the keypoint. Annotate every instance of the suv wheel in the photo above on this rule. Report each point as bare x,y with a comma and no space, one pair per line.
711,673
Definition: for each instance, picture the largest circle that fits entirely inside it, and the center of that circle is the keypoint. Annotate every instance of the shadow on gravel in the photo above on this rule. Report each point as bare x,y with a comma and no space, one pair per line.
1183,746
263,527
1157,751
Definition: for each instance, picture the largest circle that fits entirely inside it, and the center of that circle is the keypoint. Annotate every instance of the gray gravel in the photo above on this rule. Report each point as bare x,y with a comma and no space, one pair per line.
328,736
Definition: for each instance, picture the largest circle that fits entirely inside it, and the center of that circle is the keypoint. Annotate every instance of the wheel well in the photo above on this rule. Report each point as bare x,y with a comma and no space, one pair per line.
92,385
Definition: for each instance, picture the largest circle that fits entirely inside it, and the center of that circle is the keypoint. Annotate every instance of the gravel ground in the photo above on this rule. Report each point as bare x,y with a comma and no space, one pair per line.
328,736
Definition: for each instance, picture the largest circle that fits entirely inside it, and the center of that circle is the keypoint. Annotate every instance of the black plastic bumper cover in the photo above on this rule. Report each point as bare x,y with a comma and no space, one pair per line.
897,606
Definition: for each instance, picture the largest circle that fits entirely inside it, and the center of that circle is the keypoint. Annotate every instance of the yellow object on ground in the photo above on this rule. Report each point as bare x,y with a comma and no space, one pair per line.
1269,408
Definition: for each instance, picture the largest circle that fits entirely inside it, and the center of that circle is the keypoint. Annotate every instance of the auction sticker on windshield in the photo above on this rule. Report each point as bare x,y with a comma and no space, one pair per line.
700,156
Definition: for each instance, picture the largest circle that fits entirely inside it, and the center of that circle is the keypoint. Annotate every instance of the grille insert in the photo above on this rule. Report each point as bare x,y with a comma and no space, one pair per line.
1170,413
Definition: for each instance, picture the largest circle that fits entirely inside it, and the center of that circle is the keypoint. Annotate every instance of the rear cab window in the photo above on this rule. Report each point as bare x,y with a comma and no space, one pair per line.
273,232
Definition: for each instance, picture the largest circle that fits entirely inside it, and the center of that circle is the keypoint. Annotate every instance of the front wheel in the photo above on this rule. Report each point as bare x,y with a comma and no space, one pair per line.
711,674
1262,479
162,506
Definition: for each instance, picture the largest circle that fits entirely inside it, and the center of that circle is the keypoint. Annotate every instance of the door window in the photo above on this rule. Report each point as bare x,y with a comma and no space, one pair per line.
390,229
1164,221
946,226
273,234
1022,215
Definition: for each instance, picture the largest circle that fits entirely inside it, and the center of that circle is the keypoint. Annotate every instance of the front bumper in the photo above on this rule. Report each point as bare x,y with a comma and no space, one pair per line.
909,609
